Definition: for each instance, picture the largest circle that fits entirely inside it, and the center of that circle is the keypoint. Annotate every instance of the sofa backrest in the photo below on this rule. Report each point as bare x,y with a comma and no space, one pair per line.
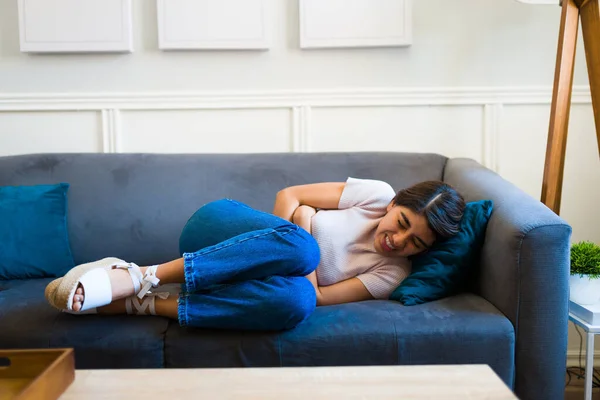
134,206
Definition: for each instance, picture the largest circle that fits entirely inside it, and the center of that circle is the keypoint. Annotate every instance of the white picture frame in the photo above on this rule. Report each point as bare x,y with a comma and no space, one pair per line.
64,26
355,23
213,25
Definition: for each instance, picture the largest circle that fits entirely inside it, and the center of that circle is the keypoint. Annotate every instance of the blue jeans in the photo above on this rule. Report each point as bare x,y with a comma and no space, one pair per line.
244,269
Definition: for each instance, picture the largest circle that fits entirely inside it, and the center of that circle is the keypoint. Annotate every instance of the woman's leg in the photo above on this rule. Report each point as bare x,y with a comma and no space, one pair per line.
164,307
223,219
213,223
232,231
275,303
272,304
284,251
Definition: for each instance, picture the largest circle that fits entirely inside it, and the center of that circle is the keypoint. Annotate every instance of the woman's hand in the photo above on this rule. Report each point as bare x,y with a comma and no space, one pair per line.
297,204
302,217
317,195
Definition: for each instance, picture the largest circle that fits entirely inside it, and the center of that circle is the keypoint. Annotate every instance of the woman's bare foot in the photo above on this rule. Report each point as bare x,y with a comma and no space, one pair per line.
121,286
116,307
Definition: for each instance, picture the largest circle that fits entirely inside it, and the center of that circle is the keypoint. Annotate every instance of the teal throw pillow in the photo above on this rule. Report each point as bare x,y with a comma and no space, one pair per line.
34,241
448,266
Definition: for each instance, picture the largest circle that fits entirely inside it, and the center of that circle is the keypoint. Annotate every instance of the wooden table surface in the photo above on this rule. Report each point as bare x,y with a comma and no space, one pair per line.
460,382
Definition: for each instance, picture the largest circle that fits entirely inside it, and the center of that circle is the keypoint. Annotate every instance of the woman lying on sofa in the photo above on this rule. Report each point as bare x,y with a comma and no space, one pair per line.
324,244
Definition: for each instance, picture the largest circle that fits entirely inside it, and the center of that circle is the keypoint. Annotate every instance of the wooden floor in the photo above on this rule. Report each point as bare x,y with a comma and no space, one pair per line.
574,391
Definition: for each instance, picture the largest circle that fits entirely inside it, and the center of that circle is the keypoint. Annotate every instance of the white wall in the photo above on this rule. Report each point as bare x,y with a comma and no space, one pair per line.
476,82
458,43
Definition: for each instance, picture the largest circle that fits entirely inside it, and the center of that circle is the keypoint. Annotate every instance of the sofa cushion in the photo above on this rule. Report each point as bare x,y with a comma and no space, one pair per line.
455,330
34,241
459,329
28,321
449,266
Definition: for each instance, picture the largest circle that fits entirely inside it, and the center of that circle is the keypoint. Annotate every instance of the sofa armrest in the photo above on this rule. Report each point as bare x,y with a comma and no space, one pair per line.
524,272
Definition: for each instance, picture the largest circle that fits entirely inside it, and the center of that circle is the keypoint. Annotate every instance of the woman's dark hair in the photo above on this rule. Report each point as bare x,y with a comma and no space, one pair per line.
440,204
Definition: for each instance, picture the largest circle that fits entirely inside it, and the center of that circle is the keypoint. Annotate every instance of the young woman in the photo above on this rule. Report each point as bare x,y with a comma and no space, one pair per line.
324,244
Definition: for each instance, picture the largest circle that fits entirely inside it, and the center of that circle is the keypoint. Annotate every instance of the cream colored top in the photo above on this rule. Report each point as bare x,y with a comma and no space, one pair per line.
346,239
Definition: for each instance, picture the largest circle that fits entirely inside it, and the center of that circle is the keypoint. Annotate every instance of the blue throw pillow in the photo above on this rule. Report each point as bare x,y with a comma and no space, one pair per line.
447,267
34,241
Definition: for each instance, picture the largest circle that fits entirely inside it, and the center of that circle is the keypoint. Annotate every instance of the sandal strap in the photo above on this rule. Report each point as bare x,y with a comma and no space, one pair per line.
149,281
96,285
145,306
134,272
141,283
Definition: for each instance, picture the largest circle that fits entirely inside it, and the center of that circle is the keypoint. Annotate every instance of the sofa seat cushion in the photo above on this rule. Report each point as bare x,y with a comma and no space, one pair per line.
462,329
29,322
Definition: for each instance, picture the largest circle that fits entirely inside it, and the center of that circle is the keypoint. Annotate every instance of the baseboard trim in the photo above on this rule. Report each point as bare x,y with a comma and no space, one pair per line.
573,358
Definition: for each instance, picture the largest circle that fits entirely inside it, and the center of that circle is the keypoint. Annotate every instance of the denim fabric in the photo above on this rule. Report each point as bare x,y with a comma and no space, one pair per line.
251,273
223,219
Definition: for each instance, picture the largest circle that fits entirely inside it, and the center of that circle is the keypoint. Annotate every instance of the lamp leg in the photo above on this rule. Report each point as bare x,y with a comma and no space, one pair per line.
590,27
561,104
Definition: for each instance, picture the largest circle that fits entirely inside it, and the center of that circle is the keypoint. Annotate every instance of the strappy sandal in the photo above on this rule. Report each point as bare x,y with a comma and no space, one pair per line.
145,306
96,284
133,305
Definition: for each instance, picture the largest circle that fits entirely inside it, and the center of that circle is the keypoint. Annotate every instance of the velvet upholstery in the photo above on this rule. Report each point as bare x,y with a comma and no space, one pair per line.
134,206
524,272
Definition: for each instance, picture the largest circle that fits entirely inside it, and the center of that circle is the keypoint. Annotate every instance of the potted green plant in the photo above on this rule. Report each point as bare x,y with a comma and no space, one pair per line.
585,273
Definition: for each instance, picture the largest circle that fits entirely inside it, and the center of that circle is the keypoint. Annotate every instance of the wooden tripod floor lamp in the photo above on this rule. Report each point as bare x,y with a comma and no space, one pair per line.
573,11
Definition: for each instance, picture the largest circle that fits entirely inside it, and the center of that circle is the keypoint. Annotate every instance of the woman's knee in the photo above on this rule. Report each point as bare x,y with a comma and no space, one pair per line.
199,230
305,252
220,220
298,303
291,301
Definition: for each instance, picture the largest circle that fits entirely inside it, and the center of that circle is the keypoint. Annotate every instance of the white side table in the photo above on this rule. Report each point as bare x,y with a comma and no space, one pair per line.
590,331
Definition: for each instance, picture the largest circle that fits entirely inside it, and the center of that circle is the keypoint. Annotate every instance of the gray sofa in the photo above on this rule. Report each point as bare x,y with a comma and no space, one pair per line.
133,206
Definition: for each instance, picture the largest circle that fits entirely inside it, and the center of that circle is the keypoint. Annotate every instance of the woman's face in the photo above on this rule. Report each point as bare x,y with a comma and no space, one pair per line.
402,233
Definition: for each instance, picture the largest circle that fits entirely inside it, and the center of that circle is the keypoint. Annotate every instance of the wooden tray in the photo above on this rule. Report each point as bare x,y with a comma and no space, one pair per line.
42,374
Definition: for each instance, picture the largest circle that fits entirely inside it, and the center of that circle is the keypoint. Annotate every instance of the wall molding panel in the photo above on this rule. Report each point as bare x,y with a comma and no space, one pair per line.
491,117
111,128
301,128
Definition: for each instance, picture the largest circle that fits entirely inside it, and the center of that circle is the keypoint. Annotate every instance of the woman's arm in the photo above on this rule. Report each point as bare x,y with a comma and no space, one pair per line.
347,291
288,202
302,217
317,195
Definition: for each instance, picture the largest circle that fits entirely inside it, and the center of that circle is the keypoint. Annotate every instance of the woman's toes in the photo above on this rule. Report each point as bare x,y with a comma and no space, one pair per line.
78,299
